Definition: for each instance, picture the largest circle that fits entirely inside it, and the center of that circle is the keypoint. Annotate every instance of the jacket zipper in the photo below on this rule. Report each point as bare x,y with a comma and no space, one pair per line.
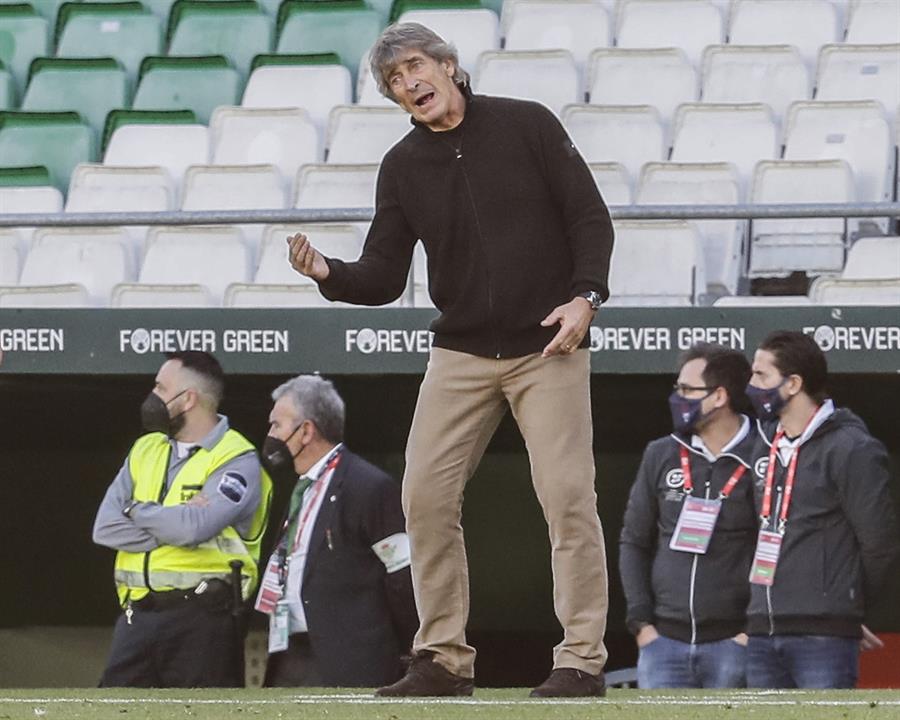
160,497
775,512
693,585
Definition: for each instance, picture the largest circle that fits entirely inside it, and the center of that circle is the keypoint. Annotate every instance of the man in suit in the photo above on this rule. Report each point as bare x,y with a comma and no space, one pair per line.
337,587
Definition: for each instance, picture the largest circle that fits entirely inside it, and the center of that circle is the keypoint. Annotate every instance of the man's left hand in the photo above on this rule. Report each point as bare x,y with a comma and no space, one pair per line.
574,319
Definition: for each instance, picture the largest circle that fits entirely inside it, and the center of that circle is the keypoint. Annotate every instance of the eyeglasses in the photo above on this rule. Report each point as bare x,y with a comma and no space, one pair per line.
683,389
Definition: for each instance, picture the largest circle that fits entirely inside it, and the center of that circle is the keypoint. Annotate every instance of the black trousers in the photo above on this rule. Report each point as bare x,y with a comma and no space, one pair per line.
186,646
294,667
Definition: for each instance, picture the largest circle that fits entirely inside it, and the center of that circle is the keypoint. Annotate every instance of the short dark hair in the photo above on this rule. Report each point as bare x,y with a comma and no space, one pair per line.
796,353
725,368
207,368
316,399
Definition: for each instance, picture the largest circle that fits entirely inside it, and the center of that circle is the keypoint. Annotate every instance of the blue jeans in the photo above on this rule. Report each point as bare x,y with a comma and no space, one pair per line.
802,661
668,663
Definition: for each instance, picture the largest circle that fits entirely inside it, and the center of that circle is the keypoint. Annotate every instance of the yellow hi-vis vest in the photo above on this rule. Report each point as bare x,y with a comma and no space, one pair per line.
170,567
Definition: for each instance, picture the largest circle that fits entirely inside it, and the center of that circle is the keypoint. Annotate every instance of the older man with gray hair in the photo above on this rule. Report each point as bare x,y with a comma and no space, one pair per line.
337,588
518,242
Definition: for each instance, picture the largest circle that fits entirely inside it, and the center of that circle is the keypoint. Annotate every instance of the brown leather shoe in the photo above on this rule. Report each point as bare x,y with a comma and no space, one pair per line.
569,682
426,678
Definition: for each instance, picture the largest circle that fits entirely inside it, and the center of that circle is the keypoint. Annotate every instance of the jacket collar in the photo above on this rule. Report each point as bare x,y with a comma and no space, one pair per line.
736,448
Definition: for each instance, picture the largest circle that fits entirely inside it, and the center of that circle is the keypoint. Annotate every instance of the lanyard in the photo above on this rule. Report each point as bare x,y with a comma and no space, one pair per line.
304,518
689,483
766,513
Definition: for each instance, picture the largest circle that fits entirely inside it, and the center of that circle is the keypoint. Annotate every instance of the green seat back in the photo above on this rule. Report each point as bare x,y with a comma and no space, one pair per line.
45,8
199,84
309,59
89,86
58,141
401,6
34,176
24,35
124,30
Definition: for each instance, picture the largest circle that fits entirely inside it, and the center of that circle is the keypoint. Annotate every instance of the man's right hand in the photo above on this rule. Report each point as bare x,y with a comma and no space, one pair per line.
305,259
646,635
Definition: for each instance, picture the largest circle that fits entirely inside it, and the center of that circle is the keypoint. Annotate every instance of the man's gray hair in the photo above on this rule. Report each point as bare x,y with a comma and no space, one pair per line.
315,399
400,37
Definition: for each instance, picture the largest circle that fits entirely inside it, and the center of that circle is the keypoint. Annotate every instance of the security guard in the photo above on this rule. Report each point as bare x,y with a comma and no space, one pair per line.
189,501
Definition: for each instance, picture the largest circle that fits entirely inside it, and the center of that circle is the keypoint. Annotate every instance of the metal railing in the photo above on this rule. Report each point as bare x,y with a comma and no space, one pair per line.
618,212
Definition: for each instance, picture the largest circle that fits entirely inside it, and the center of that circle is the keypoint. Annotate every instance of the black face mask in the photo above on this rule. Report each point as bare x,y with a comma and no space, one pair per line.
155,415
687,412
277,458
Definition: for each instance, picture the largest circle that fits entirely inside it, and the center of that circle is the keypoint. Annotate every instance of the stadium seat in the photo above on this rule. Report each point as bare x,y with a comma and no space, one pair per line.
873,22
335,186
687,24
58,141
45,296
315,83
162,295
237,29
860,72
740,134
284,137
342,241
578,26
346,27
213,257
254,295
9,256
233,187
173,147
702,184
613,182
24,35
857,132
805,24
663,78
89,86
762,301
547,76
7,89
676,277
359,134
199,84
837,291
126,31
160,8
27,190
367,92
470,30
873,258
95,258
628,134
812,245
772,74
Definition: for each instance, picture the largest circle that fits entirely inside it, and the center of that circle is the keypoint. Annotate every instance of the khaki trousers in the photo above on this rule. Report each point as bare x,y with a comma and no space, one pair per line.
461,401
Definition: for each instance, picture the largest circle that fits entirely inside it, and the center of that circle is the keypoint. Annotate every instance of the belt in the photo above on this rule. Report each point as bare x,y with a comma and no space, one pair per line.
212,594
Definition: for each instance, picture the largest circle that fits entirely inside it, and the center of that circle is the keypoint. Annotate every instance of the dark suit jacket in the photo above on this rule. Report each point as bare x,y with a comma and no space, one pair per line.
361,618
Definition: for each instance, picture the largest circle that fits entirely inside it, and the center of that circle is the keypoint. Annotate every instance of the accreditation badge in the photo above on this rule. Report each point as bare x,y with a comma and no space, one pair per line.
694,528
765,559
279,627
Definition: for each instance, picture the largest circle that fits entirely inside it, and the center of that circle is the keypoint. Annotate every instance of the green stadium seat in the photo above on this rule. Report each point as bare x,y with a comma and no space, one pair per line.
346,27
58,141
24,35
126,31
160,8
237,29
89,86
46,8
7,89
187,83
33,176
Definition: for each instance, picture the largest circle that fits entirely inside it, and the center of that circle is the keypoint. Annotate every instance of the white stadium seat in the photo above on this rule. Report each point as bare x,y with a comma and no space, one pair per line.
630,134
702,184
9,256
421,298
762,301
772,74
471,30
688,24
95,258
71,295
314,88
367,93
676,277
805,24
359,134
613,182
547,76
161,295
873,258
233,187
213,257
815,245
857,132
284,137
578,26
173,147
335,186
252,295
332,240
740,134
860,72
30,199
837,291
662,77
874,22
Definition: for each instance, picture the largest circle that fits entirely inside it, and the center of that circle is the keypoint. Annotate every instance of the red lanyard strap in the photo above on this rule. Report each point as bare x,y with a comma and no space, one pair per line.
689,483
766,513
304,517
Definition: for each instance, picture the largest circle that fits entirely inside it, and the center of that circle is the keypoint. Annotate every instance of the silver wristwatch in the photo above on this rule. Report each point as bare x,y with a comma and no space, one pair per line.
593,297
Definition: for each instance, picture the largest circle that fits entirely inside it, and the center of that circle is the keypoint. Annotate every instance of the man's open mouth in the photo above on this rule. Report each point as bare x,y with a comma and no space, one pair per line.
424,100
